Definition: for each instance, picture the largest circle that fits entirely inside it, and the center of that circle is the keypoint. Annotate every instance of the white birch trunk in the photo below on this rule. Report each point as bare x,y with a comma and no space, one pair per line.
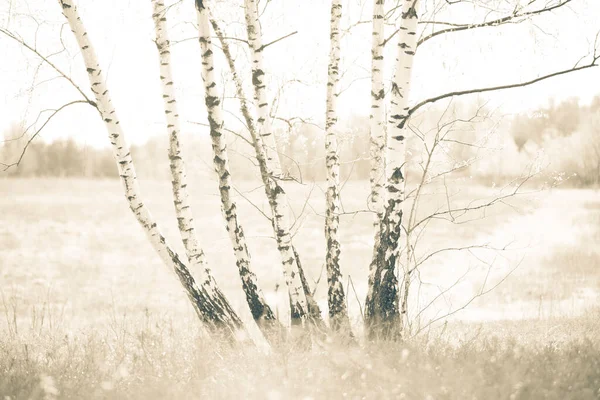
377,142
183,210
261,312
260,90
208,302
275,194
338,313
387,318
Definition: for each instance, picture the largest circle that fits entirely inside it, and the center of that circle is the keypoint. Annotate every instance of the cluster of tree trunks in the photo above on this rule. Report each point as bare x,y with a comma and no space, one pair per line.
385,313
209,302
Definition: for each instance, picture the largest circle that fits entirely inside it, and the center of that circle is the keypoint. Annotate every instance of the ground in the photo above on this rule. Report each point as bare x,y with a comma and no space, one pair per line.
89,311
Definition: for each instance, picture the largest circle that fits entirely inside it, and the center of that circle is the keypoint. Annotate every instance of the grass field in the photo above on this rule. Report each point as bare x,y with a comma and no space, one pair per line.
89,311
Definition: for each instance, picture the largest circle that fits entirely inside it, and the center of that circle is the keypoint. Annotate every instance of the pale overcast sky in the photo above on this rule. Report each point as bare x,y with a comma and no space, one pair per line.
122,32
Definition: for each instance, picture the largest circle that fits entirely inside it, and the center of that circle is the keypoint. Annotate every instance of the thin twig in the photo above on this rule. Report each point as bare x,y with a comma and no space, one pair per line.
37,132
264,46
362,315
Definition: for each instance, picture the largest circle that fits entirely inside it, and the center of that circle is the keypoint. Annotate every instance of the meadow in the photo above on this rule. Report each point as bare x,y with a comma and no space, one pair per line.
89,311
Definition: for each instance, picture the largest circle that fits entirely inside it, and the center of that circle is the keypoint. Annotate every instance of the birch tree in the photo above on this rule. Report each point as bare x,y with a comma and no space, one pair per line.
302,303
208,301
376,144
384,316
260,88
261,312
300,307
338,314
382,308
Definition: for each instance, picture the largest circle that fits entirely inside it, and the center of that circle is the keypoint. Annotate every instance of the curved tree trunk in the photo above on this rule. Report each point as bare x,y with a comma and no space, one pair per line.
261,312
377,144
338,313
385,320
276,196
208,301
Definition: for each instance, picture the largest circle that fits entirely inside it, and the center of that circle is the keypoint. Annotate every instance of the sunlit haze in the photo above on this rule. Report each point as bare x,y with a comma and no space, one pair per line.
122,33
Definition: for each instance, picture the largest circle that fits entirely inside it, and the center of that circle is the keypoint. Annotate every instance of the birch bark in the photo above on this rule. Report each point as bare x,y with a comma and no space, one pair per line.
338,314
261,312
272,168
208,301
377,144
275,195
386,318
260,90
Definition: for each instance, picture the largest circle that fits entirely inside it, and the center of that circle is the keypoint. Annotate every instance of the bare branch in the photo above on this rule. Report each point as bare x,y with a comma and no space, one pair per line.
513,18
479,294
517,16
299,220
485,246
50,63
318,280
351,282
464,210
264,46
593,63
252,204
37,132
225,129
195,39
237,39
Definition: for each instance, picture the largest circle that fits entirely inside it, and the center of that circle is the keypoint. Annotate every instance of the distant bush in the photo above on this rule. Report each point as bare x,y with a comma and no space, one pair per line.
567,136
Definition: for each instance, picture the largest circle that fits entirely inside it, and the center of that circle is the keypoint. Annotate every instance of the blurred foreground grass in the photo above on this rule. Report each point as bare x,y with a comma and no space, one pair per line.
155,358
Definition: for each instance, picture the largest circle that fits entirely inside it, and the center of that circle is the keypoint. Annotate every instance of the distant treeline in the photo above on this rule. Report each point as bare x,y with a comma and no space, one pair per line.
300,155
60,158
565,135
66,158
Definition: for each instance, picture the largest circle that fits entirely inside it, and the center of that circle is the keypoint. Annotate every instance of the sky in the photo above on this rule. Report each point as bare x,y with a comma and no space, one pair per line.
122,33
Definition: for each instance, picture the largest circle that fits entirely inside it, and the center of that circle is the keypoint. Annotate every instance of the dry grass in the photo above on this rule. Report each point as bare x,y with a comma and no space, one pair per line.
156,358
90,312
